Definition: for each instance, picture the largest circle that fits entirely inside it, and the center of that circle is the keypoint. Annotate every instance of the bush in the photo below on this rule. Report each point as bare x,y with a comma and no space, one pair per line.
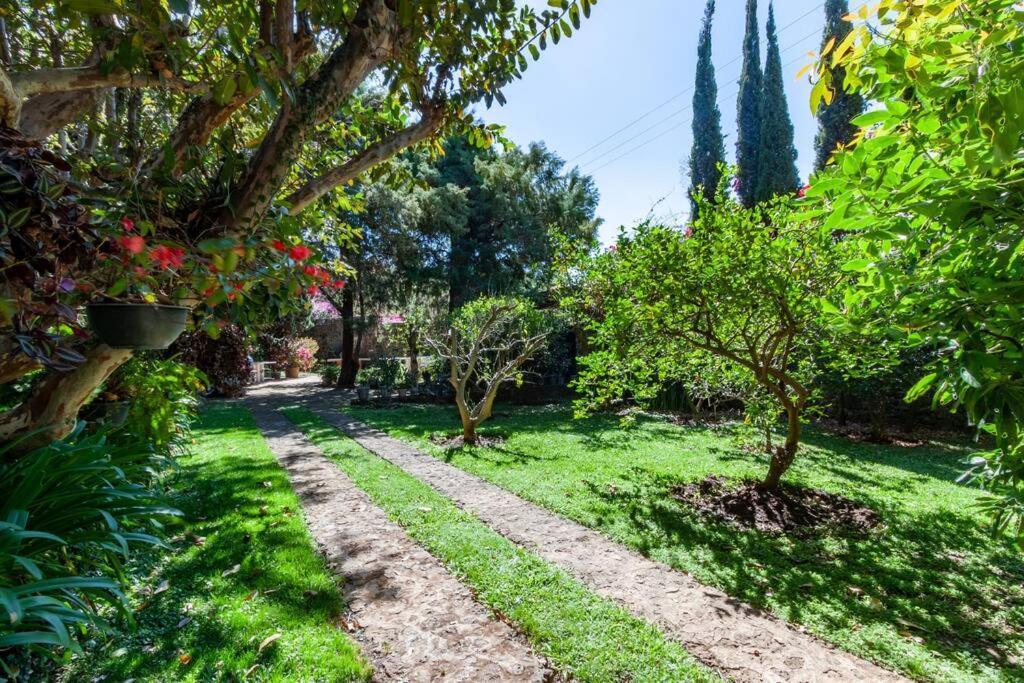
384,373
163,399
69,514
329,373
224,360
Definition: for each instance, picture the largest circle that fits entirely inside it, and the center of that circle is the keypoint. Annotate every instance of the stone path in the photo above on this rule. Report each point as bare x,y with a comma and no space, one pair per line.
414,620
741,642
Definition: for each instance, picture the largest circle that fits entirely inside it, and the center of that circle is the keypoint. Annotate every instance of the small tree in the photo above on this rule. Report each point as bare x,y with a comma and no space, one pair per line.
740,293
487,344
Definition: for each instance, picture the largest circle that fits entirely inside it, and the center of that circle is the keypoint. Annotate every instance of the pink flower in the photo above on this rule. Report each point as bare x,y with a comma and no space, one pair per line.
802,192
300,252
168,257
128,224
688,231
133,244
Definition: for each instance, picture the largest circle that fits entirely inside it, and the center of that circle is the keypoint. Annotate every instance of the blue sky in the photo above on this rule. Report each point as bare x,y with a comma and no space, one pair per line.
629,57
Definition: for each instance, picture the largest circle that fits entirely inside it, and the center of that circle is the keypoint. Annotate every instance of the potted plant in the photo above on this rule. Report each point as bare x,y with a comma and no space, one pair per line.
298,356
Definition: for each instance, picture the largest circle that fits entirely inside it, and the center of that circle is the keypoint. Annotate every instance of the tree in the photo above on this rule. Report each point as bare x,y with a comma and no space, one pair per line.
515,203
487,344
776,159
708,151
729,298
748,112
835,127
218,76
930,193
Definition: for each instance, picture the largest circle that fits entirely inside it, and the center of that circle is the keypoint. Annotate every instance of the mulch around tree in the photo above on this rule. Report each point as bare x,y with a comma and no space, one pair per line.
413,619
785,510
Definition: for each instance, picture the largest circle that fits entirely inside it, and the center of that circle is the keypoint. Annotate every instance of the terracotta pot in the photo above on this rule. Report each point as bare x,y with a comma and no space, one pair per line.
136,326
292,372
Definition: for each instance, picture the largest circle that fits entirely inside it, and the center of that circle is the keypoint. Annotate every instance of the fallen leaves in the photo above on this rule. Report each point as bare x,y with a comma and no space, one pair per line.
184,659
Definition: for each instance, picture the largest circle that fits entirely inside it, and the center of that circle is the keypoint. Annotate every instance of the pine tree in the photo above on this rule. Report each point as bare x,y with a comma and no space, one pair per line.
834,127
708,145
777,172
748,111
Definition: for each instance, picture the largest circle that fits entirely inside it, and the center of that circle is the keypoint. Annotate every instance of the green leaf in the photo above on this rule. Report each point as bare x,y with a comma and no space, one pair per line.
921,386
93,6
870,118
857,265
224,89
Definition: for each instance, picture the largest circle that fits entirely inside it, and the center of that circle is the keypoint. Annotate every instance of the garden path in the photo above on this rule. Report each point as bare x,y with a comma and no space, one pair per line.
741,642
413,619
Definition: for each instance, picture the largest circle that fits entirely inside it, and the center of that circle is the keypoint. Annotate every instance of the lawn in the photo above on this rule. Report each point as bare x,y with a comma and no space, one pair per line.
929,593
585,636
242,571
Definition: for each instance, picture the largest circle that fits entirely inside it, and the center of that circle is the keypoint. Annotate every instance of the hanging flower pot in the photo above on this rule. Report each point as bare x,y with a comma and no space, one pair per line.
136,325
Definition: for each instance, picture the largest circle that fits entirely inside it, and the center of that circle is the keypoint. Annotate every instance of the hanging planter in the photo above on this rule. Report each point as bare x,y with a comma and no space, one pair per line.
136,325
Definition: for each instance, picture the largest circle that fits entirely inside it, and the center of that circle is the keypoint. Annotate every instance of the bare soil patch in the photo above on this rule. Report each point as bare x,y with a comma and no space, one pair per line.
786,510
456,440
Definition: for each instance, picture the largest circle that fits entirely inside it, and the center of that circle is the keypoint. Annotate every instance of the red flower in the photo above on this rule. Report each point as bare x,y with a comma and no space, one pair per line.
300,252
208,292
279,245
168,257
239,286
312,290
231,296
338,284
128,224
803,191
134,244
309,270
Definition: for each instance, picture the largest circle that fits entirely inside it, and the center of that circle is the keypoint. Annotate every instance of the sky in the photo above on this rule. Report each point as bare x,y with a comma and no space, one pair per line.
629,57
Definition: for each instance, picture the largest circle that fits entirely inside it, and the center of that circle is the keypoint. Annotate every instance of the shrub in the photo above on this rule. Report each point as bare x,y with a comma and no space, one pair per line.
163,396
69,514
224,360
329,373
384,373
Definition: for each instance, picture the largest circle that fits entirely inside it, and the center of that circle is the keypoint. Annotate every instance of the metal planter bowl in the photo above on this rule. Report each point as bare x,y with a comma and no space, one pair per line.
137,326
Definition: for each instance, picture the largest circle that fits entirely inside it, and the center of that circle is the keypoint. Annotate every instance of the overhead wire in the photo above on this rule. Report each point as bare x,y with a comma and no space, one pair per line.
678,95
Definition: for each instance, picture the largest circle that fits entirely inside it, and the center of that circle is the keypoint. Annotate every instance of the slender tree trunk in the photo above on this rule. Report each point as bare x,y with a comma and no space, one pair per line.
414,361
784,455
347,378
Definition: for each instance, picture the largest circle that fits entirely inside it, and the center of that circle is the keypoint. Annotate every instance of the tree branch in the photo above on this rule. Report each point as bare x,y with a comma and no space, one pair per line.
380,151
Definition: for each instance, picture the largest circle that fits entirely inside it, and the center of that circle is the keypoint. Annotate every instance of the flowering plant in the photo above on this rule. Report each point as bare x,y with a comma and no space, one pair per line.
300,353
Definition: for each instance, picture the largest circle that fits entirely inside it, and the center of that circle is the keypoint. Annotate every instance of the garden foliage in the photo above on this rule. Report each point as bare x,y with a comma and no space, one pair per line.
930,195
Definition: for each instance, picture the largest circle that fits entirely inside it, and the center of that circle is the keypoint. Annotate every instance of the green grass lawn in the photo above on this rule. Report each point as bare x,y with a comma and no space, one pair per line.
584,635
242,570
929,593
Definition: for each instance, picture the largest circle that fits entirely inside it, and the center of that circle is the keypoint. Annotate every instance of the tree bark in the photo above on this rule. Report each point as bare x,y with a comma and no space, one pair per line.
784,455
382,150
371,40
52,410
349,363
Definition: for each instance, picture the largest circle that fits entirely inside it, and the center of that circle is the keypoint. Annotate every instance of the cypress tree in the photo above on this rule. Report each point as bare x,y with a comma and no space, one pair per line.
708,146
748,111
777,172
834,127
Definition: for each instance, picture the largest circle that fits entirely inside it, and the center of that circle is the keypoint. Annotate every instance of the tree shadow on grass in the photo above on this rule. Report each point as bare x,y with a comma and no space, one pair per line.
935,576
209,610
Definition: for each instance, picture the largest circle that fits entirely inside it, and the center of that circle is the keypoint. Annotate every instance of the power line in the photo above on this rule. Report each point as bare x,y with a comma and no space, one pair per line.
677,96
683,123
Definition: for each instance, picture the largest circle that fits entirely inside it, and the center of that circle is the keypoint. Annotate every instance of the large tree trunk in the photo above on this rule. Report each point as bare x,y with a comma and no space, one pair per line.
349,362
414,353
52,410
784,455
